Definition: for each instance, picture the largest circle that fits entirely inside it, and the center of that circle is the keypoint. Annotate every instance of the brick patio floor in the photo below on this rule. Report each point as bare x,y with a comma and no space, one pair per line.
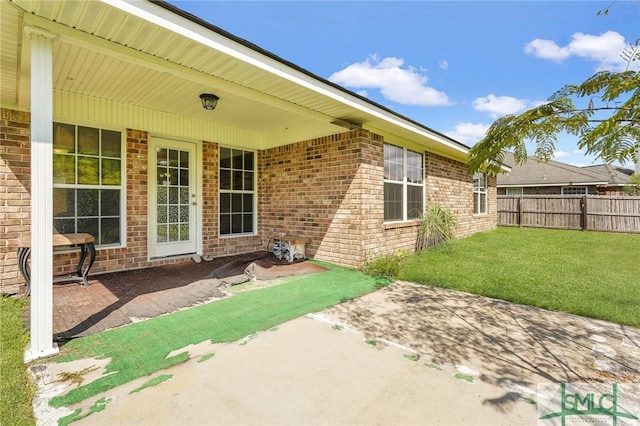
119,298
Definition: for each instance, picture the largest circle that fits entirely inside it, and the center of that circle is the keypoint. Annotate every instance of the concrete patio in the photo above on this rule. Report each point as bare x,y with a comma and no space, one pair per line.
406,354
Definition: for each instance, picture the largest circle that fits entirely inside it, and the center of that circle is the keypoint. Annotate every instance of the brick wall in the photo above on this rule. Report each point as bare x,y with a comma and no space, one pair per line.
15,196
449,184
331,190
328,189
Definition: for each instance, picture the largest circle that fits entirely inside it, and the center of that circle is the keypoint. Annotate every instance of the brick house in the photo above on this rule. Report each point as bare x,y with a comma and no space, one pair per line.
556,178
103,131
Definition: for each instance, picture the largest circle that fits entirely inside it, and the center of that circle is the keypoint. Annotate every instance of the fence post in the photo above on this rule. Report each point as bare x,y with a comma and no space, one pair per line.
583,206
520,212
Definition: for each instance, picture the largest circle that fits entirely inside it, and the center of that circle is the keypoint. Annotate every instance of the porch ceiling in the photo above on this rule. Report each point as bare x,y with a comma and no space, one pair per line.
142,54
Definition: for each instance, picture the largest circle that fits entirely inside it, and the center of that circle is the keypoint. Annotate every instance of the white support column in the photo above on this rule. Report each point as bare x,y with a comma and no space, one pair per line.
41,195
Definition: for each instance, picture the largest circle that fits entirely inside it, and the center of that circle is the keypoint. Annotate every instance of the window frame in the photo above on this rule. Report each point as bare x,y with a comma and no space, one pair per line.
584,188
519,189
480,191
253,192
405,183
122,187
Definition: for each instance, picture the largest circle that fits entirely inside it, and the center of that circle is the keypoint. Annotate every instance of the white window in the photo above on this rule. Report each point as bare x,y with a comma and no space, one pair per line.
403,183
479,193
574,190
514,191
237,192
88,187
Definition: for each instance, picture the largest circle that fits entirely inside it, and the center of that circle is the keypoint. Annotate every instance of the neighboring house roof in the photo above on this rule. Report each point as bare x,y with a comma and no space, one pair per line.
152,55
618,176
555,173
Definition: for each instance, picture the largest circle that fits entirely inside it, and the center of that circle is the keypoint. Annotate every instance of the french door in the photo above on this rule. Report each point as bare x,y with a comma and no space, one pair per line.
172,198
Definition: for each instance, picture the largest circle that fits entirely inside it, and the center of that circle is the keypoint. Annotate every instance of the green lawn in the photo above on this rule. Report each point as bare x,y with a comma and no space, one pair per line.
16,389
593,274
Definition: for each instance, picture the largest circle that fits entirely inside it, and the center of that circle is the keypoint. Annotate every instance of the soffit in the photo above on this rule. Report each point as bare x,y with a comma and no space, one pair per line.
151,61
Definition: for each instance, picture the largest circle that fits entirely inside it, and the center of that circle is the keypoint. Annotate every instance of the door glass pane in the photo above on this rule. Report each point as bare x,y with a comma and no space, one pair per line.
184,232
184,195
174,195
173,158
184,177
184,159
174,232
162,214
184,214
161,235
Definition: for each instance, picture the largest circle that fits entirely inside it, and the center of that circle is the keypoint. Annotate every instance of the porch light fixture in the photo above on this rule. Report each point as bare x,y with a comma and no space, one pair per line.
209,101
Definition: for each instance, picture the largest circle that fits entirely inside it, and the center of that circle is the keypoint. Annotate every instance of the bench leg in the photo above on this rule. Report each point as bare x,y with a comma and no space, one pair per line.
84,249
23,265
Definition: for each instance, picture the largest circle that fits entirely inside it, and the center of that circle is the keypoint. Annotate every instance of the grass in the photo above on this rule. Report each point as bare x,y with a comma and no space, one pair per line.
140,349
16,388
592,274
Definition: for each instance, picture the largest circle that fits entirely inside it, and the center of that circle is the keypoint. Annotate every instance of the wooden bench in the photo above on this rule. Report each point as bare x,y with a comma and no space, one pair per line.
84,241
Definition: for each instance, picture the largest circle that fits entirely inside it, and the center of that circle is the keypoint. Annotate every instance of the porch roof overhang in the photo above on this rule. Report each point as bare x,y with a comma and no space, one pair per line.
152,55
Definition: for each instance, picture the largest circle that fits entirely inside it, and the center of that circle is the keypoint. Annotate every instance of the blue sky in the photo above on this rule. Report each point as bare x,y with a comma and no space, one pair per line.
453,66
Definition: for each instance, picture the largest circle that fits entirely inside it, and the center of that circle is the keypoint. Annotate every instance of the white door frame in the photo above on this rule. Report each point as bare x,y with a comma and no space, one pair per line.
196,233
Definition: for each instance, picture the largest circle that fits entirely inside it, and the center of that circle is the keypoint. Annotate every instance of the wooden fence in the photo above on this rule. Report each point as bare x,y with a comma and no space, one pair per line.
584,212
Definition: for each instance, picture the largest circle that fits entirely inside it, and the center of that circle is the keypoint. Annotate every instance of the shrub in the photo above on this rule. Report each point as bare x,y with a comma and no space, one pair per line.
386,265
437,226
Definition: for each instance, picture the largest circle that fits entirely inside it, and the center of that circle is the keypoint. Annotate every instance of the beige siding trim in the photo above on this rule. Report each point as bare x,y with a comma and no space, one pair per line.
80,108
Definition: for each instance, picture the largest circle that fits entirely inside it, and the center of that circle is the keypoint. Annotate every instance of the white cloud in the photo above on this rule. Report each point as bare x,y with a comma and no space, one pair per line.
468,133
604,49
443,65
402,85
498,106
578,151
561,154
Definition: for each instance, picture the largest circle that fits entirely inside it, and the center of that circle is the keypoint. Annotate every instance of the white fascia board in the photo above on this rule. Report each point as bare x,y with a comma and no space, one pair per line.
529,185
193,31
